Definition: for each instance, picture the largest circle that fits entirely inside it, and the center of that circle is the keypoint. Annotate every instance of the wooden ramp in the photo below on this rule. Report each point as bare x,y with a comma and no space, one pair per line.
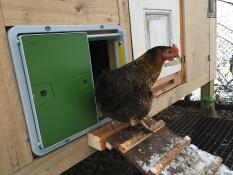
154,153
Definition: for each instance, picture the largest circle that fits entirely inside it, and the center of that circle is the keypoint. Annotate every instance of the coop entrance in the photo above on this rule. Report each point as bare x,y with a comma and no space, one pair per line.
56,68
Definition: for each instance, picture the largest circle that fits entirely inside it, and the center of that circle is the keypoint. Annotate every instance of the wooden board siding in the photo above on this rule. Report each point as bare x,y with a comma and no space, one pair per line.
15,150
196,49
27,12
197,39
58,161
125,24
16,155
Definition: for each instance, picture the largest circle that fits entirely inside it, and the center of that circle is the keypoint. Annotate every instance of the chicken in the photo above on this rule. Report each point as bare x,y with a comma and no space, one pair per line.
125,94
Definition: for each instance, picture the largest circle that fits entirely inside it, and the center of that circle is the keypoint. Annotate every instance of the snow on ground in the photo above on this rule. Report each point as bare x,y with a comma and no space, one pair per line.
224,83
224,78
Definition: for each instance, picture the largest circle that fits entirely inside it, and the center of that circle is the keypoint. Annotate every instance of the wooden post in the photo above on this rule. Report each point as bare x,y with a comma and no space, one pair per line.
207,97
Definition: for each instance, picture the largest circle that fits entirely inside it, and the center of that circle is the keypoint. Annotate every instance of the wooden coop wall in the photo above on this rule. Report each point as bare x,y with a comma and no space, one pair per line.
15,151
199,38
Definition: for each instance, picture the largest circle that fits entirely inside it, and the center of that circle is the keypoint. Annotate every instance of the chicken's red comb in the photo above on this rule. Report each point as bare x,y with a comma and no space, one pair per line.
175,49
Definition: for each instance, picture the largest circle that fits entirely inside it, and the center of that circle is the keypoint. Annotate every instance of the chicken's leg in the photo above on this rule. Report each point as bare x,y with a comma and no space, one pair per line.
133,121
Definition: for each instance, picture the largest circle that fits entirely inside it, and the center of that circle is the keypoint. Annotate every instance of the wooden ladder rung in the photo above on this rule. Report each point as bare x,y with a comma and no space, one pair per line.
129,144
169,156
130,137
98,137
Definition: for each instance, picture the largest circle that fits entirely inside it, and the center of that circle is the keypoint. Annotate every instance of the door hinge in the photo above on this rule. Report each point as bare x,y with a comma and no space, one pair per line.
209,58
182,59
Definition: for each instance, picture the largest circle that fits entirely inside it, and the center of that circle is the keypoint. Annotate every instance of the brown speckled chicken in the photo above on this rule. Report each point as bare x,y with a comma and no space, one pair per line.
125,94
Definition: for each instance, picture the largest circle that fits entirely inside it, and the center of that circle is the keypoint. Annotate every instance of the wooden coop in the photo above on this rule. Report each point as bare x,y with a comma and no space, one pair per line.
183,22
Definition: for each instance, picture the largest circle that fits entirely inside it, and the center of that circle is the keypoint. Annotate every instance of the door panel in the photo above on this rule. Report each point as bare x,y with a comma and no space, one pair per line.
197,39
155,23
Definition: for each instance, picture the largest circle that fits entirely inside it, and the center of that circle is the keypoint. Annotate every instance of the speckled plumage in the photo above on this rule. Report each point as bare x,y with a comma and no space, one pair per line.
126,92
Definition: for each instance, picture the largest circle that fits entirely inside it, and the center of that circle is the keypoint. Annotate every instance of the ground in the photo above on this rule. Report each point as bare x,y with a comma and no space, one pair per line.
112,163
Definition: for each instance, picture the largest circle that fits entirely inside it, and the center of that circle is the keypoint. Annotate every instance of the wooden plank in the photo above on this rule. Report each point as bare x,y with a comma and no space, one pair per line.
196,54
164,80
129,144
198,161
162,88
59,160
182,41
131,136
26,12
196,43
111,54
214,166
213,46
15,151
169,156
166,99
116,139
98,137
208,105
124,16
152,125
146,154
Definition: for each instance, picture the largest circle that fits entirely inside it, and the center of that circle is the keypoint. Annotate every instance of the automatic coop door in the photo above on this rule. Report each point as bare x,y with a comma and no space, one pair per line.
54,75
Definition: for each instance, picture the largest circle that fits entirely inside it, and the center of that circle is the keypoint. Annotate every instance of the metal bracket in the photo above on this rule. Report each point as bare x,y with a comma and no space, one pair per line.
209,58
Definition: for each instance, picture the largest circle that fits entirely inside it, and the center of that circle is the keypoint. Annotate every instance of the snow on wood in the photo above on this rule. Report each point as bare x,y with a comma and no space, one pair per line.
193,161
130,137
169,156
146,154
224,170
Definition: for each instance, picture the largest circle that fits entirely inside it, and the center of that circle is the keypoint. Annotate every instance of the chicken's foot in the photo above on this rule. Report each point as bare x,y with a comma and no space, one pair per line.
152,125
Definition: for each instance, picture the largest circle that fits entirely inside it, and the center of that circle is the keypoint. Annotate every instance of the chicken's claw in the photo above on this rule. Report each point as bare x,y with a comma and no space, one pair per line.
133,121
152,125
146,123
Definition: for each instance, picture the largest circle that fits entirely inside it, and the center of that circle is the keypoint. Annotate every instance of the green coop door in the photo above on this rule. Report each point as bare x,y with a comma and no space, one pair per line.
60,74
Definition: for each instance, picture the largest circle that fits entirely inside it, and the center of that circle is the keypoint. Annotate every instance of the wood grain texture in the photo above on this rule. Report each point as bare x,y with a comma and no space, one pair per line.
98,137
182,41
166,99
167,84
132,142
146,154
164,80
15,151
111,54
124,17
214,166
59,160
198,161
169,156
213,46
116,139
25,12
196,50
196,39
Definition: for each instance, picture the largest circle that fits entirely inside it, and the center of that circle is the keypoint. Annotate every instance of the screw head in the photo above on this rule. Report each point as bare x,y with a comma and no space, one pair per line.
101,27
47,28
